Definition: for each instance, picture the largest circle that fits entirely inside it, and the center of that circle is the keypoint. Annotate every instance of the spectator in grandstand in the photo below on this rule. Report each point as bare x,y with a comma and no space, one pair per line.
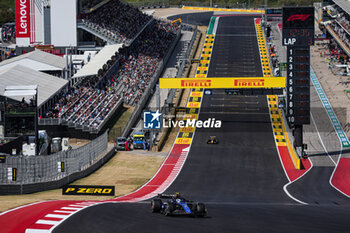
140,63
118,20
89,106
8,33
343,35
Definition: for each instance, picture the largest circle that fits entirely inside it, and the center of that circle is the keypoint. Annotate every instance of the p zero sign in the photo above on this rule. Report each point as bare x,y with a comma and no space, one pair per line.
88,190
24,22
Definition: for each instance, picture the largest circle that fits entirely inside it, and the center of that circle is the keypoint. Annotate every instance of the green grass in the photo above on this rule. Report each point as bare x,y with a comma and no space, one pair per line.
118,124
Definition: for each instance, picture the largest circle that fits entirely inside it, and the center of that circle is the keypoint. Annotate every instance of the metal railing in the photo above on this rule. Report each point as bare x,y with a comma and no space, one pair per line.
110,114
99,33
149,4
49,121
37,169
187,54
172,92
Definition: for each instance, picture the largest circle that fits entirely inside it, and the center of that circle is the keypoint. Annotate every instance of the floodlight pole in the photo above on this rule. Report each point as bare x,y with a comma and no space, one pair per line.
265,19
158,97
36,123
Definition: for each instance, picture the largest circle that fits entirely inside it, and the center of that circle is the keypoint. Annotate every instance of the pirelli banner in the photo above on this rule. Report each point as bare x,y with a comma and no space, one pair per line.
246,82
88,190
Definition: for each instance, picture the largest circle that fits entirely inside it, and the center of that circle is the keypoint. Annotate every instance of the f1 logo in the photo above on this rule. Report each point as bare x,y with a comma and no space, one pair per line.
152,120
298,17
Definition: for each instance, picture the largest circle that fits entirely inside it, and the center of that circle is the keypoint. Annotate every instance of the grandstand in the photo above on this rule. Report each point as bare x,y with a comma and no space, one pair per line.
93,99
120,73
8,33
336,18
116,22
48,89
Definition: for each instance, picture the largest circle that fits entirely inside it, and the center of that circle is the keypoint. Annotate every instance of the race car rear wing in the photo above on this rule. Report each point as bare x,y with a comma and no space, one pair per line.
165,195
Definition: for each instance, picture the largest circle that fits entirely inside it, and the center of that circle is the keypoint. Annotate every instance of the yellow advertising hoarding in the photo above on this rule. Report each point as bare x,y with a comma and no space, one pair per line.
222,9
246,82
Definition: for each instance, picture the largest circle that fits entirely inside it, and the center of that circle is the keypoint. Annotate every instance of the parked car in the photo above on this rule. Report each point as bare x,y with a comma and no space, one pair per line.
120,143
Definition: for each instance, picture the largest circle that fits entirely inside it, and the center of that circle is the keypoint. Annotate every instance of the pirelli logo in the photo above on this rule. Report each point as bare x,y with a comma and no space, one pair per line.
220,82
196,83
88,190
249,83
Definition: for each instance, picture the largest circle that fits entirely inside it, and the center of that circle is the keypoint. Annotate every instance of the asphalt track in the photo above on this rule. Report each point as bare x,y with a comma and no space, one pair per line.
315,188
241,179
199,19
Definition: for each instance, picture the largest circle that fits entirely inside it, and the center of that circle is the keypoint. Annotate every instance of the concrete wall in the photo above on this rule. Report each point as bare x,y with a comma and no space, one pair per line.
63,23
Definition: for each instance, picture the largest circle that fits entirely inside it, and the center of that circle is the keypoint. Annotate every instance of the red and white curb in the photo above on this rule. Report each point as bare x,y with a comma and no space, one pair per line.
54,218
156,184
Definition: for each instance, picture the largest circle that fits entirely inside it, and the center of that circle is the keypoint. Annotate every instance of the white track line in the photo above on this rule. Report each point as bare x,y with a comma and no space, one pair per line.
63,211
320,139
47,222
341,143
291,182
55,216
284,169
36,231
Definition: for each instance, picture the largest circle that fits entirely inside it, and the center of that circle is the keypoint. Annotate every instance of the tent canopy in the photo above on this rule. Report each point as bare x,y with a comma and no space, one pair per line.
48,85
98,61
37,60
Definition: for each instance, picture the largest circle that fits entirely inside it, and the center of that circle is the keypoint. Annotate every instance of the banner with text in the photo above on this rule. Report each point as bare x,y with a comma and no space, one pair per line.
88,190
246,82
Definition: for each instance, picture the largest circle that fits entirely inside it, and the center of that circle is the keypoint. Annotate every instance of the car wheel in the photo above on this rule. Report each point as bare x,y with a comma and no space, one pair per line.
201,210
169,208
156,205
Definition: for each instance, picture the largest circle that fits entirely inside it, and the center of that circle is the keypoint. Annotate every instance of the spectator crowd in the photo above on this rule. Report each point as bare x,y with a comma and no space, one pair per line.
8,33
344,22
87,104
118,20
343,34
141,61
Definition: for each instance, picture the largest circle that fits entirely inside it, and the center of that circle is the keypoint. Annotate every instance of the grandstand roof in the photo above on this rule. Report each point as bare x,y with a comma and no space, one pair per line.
344,4
36,60
48,85
98,61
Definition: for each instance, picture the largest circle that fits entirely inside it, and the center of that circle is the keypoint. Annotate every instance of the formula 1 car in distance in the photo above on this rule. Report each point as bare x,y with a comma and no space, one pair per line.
212,140
171,205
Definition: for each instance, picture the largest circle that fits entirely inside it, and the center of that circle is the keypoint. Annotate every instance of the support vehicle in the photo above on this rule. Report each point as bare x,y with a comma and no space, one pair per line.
139,140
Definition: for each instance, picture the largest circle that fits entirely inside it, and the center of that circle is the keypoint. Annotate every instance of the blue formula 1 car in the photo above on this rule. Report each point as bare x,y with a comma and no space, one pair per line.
171,205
